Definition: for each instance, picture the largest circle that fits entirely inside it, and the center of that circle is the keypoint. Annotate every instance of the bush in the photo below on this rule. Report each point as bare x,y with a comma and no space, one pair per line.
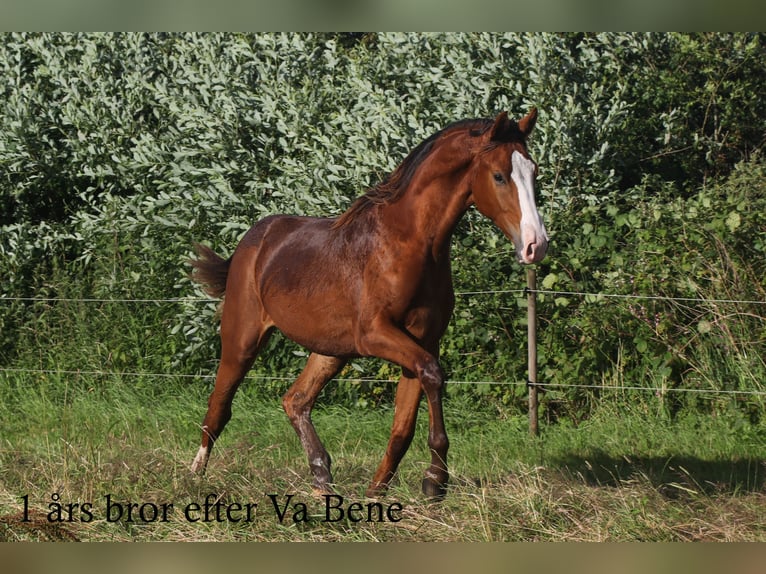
695,257
118,151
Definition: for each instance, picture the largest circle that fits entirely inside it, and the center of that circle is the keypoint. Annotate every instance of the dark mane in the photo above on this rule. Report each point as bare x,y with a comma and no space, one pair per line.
396,183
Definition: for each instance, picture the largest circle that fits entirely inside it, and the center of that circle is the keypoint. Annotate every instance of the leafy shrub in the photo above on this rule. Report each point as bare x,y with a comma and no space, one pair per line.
695,257
118,151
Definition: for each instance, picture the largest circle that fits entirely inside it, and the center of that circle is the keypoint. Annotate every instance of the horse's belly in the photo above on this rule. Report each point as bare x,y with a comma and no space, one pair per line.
320,324
318,338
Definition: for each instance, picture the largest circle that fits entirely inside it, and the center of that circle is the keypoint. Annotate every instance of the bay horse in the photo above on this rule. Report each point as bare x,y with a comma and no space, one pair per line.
375,281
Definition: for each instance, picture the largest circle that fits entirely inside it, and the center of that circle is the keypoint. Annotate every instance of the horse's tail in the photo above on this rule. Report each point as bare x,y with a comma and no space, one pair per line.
210,270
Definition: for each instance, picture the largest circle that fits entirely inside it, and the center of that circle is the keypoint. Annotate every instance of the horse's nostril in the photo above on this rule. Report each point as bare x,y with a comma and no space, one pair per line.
534,251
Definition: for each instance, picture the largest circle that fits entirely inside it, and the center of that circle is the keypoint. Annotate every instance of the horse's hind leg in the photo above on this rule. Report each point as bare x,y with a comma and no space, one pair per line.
243,334
298,402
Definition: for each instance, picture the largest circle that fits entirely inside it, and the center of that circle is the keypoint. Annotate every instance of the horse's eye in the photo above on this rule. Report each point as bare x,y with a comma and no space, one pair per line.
499,178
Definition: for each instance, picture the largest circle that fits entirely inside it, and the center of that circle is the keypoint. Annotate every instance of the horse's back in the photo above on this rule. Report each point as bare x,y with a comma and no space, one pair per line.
311,246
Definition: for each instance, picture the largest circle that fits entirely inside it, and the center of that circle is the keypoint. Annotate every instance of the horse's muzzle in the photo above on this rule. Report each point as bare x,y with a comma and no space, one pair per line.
534,244
534,252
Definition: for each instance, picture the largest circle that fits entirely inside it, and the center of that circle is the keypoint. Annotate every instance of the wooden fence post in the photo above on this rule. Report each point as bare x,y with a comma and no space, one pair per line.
532,349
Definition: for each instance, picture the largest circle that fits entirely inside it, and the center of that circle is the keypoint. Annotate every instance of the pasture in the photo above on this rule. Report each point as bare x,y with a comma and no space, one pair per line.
628,473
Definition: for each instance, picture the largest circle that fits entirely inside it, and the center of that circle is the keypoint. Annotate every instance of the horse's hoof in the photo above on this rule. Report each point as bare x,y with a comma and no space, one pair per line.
322,489
376,490
199,464
434,491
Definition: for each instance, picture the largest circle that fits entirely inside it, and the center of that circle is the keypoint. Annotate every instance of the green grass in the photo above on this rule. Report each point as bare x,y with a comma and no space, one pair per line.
629,472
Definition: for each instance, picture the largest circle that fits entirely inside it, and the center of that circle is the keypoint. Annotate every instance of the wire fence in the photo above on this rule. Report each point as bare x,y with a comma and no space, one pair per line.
593,296
651,297
287,379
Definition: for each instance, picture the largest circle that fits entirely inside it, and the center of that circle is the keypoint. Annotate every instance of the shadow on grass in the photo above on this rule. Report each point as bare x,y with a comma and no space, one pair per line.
672,476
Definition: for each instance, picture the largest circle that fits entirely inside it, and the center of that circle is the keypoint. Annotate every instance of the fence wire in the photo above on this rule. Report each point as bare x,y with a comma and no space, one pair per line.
541,386
649,297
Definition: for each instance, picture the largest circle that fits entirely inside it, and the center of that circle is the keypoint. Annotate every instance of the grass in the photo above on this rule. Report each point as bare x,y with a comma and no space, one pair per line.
627,473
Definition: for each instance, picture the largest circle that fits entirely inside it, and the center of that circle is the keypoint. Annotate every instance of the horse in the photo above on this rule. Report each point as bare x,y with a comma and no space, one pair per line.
372,282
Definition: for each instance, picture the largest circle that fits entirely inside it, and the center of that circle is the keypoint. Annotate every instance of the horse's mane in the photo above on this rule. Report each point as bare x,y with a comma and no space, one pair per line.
397,182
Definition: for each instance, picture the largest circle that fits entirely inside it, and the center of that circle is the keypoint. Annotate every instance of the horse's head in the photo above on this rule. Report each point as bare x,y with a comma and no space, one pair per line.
503,186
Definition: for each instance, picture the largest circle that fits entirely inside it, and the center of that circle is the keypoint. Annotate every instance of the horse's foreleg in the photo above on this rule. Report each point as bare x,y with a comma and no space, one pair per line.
436,477
408,393
388,342
298,402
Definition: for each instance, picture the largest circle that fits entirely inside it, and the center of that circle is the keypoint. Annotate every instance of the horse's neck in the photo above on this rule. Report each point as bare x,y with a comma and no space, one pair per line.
430,210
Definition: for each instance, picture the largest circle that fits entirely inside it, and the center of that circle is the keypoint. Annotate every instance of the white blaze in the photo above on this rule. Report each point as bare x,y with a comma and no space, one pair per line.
532,228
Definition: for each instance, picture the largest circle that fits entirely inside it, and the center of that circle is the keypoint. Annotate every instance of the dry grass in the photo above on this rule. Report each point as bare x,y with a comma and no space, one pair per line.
533,504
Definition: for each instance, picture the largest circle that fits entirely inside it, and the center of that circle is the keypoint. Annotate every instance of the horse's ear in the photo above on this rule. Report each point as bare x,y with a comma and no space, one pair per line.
527,123
502,125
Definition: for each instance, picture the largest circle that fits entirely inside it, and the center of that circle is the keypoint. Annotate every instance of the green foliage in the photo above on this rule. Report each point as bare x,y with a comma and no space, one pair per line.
695,256
118,151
